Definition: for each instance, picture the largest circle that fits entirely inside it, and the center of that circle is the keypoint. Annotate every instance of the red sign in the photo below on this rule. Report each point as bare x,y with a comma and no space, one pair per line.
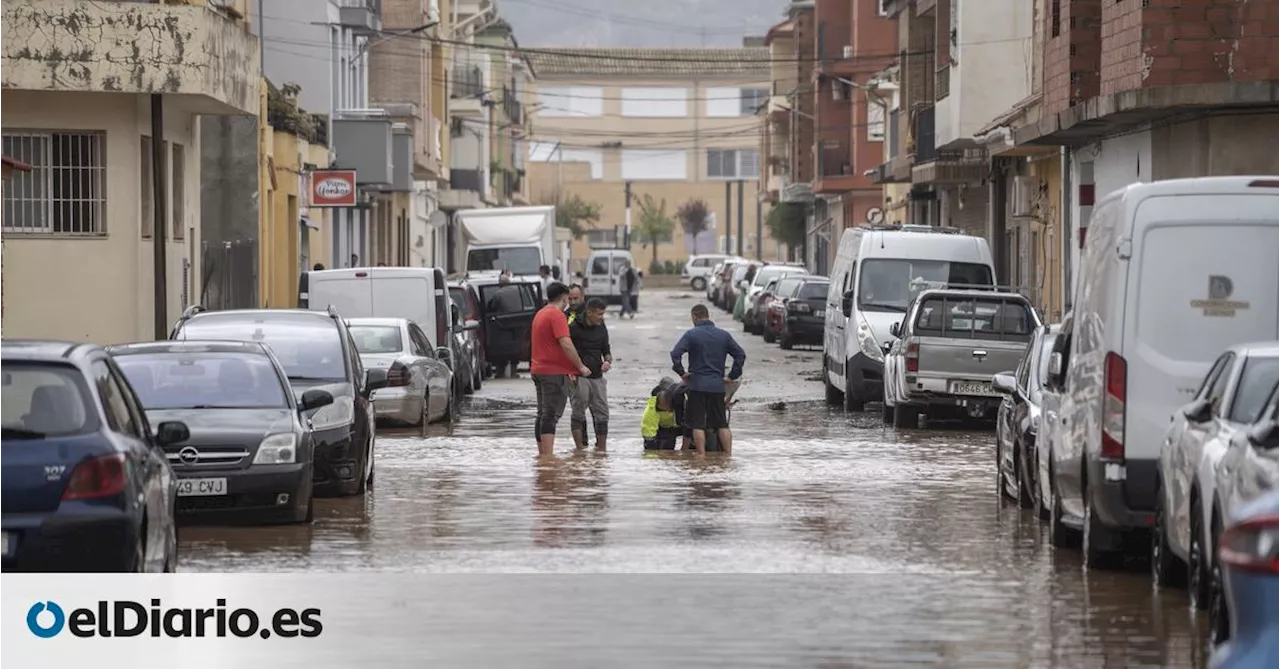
333,188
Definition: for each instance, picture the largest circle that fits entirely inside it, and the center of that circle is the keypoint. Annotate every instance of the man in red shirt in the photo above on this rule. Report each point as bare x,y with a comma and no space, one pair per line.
555,362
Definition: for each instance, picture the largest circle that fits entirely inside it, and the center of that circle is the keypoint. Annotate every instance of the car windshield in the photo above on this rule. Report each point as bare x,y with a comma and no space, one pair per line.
886,284
1254,389
814,290
516,260
377,338
787,287
39,400
309,350
206,380
764,276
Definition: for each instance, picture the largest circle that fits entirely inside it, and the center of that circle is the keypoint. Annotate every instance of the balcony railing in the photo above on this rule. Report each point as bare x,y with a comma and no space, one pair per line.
893,133
468,82
924,136
511,107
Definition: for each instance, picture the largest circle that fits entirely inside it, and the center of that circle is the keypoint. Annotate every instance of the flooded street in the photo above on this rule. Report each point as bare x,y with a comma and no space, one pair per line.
920,562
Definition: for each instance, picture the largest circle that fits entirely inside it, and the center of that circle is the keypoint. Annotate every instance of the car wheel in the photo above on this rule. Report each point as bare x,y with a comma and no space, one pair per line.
698,283
470,386
1093,543
478,373
1002,487
1165,570
1219,616
1197,579
1022,475
769,336
851,402
1037,486
363,484
171,548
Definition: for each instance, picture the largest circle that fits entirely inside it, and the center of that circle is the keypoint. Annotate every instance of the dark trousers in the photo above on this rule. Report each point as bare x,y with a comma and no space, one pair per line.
553,394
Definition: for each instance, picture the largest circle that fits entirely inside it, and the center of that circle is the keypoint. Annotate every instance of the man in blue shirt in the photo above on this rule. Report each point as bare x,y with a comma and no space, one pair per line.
707,346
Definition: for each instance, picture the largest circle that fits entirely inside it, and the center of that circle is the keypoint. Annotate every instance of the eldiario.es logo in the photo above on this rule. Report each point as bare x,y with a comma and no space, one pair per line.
124,618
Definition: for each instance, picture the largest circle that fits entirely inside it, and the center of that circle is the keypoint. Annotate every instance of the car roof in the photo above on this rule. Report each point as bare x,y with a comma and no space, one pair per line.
1261,349
190,345
257,315
44,349
378,321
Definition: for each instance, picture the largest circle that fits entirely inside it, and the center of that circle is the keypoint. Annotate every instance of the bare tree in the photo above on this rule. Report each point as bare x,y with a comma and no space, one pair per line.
694,218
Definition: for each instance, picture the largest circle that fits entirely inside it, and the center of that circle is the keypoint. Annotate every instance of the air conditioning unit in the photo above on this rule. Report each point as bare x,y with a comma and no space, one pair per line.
848,51
1026,192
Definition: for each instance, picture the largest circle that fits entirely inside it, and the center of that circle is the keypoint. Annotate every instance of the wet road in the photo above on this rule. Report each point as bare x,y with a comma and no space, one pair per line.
920,555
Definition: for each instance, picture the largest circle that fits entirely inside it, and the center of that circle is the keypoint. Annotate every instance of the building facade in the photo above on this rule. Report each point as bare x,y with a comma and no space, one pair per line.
675,124
76,233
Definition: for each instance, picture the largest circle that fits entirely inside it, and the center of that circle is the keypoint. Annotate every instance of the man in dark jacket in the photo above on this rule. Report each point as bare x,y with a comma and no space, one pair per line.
707,347
591,339
627,282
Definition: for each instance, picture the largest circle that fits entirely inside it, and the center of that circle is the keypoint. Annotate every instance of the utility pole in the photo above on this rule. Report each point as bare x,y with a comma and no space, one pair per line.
158,191
626,229
759,229
728,214
741,208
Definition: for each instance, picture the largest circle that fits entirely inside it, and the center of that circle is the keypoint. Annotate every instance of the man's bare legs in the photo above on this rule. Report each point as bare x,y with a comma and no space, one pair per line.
700,441
726,439
546,445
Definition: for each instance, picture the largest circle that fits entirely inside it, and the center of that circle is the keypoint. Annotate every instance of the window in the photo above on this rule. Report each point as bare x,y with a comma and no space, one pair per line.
39,400
655,102
421,343
514,259
65,193
602,238
1055,18
307,347
731,101
186,380
875,121
753,100
546,152
654,164
733,163
976,318
177,191
562,101
1253,389
814,290
146,185
888,284
1219,388
113,404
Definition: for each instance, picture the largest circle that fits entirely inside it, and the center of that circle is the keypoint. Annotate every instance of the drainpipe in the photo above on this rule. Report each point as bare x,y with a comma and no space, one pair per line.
158,190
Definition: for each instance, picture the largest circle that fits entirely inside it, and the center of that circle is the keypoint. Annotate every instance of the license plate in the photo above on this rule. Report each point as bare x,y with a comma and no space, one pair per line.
201,487
820,313
971,388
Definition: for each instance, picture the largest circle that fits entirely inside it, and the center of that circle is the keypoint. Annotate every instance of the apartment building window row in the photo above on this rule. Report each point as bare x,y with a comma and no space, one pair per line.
733,163
729,101
655,102
571,101
654,164
65,193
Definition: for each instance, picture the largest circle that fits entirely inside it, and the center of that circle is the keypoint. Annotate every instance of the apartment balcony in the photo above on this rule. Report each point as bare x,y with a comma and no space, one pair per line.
363,17
835,167
190,50
466,89
951,167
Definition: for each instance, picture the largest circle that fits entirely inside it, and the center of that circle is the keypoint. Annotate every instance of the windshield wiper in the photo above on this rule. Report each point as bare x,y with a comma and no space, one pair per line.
20,433
883,307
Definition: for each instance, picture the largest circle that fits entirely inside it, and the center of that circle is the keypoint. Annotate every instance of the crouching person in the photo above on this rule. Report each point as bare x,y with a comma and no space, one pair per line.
660,425
591,338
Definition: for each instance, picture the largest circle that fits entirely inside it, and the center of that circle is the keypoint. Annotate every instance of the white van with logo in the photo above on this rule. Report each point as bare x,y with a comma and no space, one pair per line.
871,285
1172,273
604,274
419,294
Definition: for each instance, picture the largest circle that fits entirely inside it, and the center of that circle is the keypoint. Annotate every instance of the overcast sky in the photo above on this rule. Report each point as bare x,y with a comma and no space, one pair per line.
646,23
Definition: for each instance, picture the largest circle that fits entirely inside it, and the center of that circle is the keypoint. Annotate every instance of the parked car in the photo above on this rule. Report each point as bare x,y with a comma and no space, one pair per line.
872,284
697,271
249,453
86,487
801,315
733,288
1230,400
753,322
773,309
1018,424
420,386
760,304
471,335
1172,273
721,282
1052,452
507,318
317,352
1247,553
950,345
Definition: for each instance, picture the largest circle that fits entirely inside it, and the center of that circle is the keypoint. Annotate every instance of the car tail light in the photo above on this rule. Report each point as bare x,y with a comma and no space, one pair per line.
913,356
1115,382
398,375
96,478
1251,545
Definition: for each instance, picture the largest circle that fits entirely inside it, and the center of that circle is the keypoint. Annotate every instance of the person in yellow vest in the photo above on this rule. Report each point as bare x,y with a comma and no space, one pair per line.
660,425
577,303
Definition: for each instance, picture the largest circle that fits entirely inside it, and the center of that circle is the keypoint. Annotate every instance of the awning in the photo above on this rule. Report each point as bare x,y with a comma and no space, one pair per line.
308,223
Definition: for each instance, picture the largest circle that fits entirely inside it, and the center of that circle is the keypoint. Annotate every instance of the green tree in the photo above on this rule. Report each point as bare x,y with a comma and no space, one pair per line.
655,225
786,223
694,217
574,213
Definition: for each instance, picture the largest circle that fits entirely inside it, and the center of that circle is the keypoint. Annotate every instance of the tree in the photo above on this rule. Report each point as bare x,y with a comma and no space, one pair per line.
694,218
655,225
574,213
786,223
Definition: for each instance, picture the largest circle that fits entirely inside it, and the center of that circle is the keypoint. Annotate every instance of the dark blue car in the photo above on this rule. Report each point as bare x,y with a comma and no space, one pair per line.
1247,553
85,484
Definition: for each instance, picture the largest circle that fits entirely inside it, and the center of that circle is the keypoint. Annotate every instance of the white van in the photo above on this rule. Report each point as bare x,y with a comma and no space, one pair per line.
604,274
419,294
1172,273
871,286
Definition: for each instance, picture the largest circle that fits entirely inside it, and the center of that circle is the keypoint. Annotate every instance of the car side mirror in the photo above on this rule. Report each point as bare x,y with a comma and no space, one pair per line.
1264,435
374,379
470,325
172,432
1199,411
846,303
314,399
896,329
1004,383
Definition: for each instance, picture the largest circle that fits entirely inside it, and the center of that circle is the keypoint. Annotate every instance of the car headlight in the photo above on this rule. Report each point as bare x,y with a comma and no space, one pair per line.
277,449
867,342
341,412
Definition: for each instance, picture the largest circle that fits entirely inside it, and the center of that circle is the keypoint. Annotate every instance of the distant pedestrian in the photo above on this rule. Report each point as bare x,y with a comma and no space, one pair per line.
627,282
591,339
554,361
544,276
707,347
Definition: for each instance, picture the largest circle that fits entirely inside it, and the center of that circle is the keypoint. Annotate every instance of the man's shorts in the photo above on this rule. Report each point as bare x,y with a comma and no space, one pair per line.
705,411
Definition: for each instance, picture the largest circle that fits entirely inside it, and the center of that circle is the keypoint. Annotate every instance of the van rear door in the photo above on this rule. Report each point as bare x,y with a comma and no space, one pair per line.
349,290
1201,279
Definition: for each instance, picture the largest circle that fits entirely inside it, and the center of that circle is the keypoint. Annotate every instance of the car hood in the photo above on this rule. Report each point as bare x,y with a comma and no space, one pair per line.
225,426
880,322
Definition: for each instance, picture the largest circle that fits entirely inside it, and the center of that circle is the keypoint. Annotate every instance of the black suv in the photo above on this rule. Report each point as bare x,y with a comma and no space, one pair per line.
317,352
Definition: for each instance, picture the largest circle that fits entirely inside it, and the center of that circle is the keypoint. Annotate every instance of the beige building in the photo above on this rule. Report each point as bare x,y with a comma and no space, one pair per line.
78,229
678,124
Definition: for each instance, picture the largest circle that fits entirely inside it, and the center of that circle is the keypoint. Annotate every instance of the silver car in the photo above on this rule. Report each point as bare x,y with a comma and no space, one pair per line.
419,382
1230,399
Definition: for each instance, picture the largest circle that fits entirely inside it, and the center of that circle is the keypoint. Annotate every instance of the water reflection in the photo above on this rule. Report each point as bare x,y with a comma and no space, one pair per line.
571,500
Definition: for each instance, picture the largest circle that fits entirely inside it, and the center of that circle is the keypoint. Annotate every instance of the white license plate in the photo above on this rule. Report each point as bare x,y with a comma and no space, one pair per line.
201,487
820,313
971,388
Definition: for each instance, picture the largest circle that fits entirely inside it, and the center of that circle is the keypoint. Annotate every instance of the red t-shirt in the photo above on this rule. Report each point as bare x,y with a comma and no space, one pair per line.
549,325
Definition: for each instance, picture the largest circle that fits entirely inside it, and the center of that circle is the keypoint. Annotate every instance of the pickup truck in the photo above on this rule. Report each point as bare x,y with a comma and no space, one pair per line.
948,346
